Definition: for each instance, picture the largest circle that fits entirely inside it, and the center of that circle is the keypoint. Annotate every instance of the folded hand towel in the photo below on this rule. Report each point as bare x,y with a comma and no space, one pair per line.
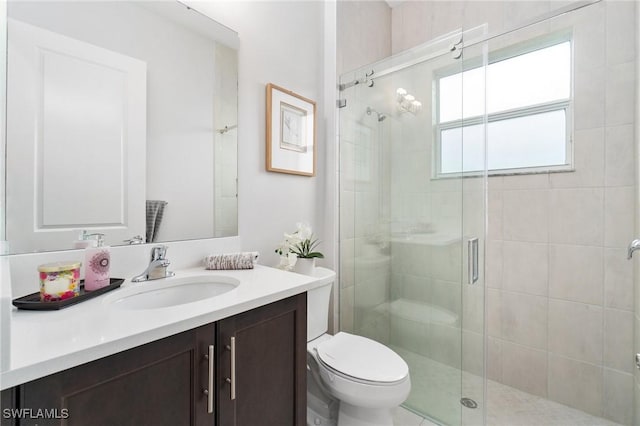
243,260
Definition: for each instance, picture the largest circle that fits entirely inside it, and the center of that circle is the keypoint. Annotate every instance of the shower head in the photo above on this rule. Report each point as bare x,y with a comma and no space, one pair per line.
381,117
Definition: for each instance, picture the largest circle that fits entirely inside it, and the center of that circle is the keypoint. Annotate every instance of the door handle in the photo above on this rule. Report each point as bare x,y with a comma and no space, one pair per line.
210,391
472,257
232,380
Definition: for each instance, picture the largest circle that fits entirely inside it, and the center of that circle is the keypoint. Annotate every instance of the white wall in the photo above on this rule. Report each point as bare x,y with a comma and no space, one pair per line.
280,43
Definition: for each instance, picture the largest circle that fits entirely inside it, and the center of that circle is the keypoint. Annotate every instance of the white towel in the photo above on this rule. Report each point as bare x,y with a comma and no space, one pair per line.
242,260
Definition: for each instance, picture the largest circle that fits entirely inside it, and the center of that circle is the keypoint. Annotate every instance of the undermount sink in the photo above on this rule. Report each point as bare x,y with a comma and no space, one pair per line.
173,292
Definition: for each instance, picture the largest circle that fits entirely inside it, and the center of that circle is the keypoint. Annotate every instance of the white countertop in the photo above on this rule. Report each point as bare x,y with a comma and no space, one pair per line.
45,342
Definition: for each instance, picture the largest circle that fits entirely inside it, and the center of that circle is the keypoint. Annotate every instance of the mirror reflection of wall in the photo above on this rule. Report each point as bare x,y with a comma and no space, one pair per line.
122,119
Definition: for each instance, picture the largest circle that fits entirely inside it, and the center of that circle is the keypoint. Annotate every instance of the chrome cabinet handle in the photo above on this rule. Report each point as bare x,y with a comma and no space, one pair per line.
472,256
232,380
210,391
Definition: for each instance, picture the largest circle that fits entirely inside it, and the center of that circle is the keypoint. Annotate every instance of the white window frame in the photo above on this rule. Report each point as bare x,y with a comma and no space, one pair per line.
503,54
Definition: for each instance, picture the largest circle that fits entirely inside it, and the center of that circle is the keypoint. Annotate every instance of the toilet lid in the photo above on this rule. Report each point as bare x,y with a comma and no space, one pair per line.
362,358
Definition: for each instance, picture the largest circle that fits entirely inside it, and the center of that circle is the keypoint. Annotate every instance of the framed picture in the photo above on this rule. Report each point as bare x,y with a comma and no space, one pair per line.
291,132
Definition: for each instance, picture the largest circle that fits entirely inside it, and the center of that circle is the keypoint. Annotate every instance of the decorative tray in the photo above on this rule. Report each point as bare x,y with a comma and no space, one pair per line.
32,301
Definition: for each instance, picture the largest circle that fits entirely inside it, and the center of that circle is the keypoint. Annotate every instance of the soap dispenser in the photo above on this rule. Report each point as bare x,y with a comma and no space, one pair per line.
97,262
85,240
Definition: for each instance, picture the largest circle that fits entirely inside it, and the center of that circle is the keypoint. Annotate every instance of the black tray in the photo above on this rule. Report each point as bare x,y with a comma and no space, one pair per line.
32,301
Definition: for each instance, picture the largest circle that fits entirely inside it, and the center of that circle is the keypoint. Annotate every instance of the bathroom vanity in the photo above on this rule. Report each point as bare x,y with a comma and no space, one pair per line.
166,382
238,359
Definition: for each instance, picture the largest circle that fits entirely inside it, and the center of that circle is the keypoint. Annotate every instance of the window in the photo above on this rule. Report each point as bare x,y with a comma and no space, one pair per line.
528,100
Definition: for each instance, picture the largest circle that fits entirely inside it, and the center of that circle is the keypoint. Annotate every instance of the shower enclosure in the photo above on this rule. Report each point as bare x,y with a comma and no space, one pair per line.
413,245
470,167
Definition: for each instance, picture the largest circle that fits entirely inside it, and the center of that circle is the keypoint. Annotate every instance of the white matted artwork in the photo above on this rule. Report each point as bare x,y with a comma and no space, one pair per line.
291,146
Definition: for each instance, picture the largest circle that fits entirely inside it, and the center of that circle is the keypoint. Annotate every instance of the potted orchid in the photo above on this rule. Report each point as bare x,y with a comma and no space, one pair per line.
298,250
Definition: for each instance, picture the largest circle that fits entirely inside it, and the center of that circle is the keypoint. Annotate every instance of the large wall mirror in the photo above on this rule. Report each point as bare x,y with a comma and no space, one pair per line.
121,120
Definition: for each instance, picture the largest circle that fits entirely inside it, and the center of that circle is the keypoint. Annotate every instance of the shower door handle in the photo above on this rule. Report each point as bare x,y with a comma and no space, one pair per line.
472,257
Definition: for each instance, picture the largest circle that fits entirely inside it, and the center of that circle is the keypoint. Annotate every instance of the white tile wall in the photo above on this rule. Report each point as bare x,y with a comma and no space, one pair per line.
524,368
577,384
618,340
618,387
494,312
621,22
619,216
525,267
618,279
620,100
576,273
589,98
576,330
524,319
494,359
575,216
525,215
619,165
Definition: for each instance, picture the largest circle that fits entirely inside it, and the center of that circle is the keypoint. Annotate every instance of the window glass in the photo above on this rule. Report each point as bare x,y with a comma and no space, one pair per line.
460,90
529,141
527,109
530,79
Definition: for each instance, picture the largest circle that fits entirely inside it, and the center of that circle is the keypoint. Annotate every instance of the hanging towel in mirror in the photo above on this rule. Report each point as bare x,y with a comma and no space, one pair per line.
155,211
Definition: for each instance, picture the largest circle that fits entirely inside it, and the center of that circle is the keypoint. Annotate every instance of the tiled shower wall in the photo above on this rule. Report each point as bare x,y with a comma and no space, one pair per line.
560,290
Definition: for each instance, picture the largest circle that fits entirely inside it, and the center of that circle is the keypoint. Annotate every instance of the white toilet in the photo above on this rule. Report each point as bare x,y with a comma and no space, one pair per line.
367,378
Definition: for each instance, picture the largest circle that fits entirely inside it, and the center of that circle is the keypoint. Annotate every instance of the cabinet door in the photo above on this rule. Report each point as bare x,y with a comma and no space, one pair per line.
8,401
270,365
160,383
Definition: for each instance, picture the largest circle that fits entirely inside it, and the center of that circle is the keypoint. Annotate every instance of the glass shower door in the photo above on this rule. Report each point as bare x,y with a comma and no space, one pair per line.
409,212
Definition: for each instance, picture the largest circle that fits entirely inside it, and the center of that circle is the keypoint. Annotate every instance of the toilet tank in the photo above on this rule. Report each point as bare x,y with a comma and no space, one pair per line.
318,311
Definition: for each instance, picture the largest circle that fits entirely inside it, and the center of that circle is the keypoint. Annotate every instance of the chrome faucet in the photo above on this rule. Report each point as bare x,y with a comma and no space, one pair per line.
157,266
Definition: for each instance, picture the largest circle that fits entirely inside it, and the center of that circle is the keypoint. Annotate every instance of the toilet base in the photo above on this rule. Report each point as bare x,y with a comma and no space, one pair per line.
350,415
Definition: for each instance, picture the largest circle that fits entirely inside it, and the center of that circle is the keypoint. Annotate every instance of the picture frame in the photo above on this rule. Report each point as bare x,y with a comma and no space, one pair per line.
291,132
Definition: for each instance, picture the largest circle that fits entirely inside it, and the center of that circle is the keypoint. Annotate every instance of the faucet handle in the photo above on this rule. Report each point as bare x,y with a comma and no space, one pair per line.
158,253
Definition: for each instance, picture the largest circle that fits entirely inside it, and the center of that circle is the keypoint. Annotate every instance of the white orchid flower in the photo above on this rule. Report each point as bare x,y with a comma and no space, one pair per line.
300,243
304,231
292,239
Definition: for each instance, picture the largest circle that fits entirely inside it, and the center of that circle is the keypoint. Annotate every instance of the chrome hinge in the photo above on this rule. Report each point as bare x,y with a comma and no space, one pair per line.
341,103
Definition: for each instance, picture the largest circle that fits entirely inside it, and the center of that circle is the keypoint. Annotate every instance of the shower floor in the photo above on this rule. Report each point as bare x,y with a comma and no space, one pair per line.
439,386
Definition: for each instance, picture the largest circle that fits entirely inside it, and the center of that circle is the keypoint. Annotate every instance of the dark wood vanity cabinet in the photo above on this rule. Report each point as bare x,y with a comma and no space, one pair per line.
261,358
164,382
160,383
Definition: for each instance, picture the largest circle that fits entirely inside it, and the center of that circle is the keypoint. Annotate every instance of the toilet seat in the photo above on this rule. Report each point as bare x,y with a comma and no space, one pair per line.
362,359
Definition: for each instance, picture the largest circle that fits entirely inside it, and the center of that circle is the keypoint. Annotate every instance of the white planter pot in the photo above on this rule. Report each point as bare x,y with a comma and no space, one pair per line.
305,266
